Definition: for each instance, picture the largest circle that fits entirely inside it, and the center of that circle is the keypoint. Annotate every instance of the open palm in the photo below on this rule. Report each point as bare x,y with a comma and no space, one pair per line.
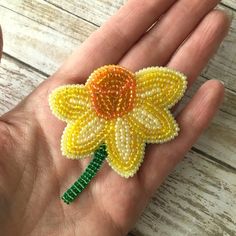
33,173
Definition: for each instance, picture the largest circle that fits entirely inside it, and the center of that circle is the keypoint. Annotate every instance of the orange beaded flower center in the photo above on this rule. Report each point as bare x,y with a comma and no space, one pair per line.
113,91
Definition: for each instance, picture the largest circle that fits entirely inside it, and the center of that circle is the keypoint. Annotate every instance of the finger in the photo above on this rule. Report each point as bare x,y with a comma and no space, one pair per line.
193,55
193,120
108,44
157,46
1,43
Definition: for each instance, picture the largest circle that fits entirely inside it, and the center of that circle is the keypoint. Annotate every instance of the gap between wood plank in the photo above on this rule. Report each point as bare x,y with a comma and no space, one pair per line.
231,90
227,6
48,26
25,64
210,157
71,13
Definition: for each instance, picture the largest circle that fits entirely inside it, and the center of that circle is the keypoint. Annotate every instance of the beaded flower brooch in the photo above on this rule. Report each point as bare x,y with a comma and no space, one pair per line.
114,115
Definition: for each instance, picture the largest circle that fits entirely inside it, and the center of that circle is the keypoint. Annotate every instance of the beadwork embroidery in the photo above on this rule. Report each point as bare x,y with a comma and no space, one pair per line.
120,111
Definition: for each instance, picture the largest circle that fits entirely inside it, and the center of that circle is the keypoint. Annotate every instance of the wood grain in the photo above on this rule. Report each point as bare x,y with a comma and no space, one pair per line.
198,198
96,11
28,40
59,33
16,82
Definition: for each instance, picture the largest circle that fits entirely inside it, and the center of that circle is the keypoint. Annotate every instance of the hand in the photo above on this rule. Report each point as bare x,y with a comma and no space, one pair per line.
33,172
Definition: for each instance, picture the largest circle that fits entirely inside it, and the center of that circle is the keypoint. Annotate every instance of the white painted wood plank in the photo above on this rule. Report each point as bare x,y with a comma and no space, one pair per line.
16,82
198,198
96,11
54,33
230,3
38,45
219,140
229,103
46,14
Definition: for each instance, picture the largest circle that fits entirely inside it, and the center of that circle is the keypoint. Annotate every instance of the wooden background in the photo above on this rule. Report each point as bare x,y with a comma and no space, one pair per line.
199,197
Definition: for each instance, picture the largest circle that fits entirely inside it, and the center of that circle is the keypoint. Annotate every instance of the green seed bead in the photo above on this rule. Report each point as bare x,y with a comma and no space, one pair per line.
82,182
91,170
66,197
85,178
94,166
90,175
65,200
78,185
75,189
71,193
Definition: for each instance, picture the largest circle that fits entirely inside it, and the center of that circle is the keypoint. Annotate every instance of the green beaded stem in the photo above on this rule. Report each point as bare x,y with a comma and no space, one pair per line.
82,182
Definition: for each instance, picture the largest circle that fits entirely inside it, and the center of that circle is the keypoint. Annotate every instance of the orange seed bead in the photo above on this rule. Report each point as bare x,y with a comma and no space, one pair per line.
113,91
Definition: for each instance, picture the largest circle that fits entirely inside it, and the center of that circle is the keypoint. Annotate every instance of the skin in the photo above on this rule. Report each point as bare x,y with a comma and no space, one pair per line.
33,172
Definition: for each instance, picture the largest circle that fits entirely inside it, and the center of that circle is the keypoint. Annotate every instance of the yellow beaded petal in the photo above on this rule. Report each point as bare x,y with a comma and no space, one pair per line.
125,148
153,124
121,109
82,137
160,86
69,102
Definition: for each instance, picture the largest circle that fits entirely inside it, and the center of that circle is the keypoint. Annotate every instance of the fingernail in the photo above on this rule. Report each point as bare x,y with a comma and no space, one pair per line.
222,82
